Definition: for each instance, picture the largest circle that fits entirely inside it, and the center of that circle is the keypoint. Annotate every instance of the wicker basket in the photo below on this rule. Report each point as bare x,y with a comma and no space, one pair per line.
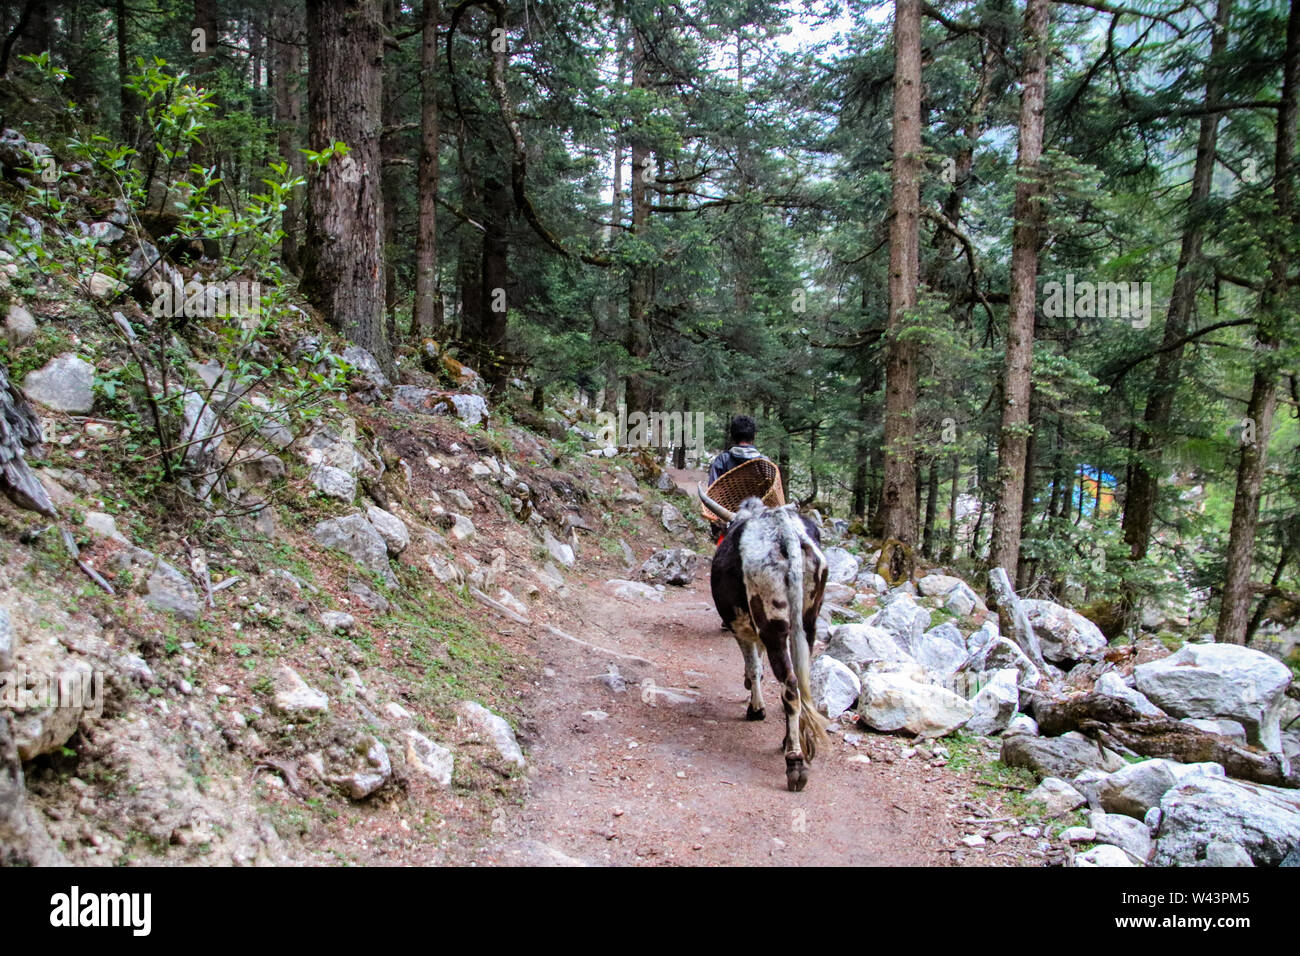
756,478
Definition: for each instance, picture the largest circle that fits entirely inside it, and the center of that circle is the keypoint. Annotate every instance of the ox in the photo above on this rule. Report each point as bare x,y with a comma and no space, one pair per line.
768,578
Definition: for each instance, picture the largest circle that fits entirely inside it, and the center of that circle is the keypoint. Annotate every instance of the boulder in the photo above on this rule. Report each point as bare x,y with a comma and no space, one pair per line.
937,585
1222,853
366,369
428,759
904,619
560,552
1112,685
1122,831
675,566
1063,634
1103,855
1000,654
672,519
995,705
1203,809
860,644
391,528
460,528
940,657
63,384
890,702
1022,724
835,688
357,538
333,482
169,590
1220,680
337,621
871,581
1065,756
494,730
293,696
20,326
360,770
1057,797
841,566
1089,784
1135,788
633,590
470,409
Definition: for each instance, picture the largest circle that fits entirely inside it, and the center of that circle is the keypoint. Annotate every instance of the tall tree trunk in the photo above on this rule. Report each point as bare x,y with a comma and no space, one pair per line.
287,92
639,396
1234,611
900,513
130,102
426,316
390,152
343,264
950,545
931,504
1004,550
1027,492
496,275
1140,503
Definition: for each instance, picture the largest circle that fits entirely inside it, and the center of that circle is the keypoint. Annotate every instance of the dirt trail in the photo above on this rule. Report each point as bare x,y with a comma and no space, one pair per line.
675,775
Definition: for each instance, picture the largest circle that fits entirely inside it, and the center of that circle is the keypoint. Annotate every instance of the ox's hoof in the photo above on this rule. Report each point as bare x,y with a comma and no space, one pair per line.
796,773
755,713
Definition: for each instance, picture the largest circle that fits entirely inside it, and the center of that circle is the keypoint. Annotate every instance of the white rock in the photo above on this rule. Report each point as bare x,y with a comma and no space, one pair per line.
495,730
859,644
633,590
429,759
1103,855
1112,685
1122,831
891,702
1063,634
841,566
337,621
835,688
1202,809
995,705
333,482
1221,853
904,619
1078,835
63,384
391,528
294,697
937,585
560,552
1056,796
1220,680
1137,787
462,529
1022,724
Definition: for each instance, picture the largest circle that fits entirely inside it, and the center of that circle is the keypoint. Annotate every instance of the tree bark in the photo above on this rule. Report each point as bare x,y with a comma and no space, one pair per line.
900,510
1017,384
343,267
426,315
1234,612
286,88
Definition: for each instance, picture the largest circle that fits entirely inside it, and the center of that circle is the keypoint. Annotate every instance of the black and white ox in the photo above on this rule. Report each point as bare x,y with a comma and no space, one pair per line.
768,578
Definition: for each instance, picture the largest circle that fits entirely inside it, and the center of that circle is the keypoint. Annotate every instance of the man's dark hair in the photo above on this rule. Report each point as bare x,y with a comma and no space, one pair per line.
743,428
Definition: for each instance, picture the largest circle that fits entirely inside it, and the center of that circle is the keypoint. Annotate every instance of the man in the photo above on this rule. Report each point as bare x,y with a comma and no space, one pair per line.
743,431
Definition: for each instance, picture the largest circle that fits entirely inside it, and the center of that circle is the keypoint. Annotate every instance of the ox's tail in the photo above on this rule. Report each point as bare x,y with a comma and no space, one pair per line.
812,725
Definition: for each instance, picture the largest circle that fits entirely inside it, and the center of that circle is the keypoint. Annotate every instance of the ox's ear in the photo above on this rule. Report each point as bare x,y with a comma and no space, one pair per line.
717,509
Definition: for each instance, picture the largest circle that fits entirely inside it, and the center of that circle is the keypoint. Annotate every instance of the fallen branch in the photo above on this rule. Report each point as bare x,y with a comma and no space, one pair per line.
595,647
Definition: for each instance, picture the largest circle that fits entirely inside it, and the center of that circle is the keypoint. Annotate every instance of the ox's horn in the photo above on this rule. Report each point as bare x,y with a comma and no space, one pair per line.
713,506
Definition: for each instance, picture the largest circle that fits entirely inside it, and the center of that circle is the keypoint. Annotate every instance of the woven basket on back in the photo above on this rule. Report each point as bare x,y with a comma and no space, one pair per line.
756,478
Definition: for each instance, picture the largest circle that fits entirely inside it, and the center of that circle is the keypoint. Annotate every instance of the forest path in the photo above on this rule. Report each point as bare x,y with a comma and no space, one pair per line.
674,774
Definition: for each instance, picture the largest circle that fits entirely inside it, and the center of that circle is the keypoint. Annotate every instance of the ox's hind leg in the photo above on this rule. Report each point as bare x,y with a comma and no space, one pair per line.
749,647
776,633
